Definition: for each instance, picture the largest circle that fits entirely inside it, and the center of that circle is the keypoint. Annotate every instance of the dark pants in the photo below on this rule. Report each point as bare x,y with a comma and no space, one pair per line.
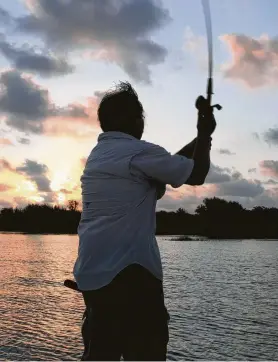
126,318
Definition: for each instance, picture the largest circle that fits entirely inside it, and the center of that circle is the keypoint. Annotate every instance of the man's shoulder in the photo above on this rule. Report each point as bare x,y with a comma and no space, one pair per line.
149,146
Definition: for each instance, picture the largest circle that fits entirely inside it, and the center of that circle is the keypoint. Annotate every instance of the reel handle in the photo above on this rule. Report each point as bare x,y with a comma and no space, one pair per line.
202,104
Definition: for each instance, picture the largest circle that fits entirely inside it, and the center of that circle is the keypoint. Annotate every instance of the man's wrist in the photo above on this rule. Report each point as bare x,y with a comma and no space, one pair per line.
204,137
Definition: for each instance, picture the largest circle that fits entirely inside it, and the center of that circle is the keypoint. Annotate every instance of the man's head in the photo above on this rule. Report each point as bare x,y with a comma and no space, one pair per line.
120,110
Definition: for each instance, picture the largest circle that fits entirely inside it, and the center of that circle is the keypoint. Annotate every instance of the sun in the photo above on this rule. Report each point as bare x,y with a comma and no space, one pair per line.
59,179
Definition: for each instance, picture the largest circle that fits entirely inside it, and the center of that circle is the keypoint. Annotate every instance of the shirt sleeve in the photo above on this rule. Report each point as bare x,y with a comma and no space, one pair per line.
154,162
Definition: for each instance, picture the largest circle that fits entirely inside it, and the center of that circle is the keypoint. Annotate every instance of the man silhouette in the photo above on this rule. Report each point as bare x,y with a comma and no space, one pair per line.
118,268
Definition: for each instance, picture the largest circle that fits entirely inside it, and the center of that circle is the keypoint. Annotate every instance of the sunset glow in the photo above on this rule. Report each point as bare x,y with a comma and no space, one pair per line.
49,99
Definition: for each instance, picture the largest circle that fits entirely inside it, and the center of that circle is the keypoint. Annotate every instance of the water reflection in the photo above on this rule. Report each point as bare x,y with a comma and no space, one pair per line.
222,296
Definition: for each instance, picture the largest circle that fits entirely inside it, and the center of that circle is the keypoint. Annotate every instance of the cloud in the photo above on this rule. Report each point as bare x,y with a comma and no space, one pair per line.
27,59
240,188
252,170
74,120
24,141
5,17
270,182
27,107
99,95
36,172
256,136
23,102
64,191
21,201
188,202
230,182
5,165
225,151
83,161
49,198
5,142
217,175
271,136
119,32
225,183
186,197
269,167
5,187
196,46
254,61
269,198
5,204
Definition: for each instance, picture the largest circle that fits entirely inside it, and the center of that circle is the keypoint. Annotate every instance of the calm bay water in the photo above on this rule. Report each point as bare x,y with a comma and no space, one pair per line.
222,297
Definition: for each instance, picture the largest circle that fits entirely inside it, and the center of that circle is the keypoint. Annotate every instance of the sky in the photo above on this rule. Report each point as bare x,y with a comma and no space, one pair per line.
58,57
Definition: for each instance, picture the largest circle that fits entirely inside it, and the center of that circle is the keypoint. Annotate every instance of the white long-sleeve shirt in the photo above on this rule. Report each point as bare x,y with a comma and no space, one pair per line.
118,222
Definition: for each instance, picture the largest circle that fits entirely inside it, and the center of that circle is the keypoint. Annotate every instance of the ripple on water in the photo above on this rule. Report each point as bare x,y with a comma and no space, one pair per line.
222,297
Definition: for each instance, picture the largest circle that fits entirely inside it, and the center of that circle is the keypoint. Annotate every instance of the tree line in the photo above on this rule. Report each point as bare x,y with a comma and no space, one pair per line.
214,218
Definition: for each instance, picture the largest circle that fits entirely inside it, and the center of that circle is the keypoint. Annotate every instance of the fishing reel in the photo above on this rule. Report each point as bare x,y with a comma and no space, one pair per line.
203,103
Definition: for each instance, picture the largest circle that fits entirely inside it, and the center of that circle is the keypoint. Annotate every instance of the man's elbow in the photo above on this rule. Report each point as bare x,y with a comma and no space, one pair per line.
195,182
196,179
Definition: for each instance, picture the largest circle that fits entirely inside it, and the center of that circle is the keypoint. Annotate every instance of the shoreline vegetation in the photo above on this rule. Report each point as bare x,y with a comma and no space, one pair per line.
214,219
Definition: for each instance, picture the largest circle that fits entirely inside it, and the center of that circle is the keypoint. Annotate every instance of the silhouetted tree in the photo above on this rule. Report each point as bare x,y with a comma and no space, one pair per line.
215,218
73,205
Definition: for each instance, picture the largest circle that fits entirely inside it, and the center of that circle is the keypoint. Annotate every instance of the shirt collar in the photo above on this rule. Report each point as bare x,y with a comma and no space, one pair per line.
114,135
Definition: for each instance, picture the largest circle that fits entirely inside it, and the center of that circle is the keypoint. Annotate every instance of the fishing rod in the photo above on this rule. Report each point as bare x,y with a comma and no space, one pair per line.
72,285
201,102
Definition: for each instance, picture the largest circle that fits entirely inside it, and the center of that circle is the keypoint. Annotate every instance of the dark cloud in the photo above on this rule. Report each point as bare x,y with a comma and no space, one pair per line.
119,32
236,175
50,197
265,199
23,102
5,187
230,182
269,167
27,107
225,183
5,17
252,170
32,168
271,136
254,60
240,188
217,175
24,141
225,151
36,172
26,59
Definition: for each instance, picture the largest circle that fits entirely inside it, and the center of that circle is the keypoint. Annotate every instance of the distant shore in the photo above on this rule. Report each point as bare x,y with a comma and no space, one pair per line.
171,237
214,219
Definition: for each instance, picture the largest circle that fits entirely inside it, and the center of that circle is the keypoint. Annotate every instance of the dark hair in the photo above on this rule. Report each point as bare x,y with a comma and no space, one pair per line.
120,110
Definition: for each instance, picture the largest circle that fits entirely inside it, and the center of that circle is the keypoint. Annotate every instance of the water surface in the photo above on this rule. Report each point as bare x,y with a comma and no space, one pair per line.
222,297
